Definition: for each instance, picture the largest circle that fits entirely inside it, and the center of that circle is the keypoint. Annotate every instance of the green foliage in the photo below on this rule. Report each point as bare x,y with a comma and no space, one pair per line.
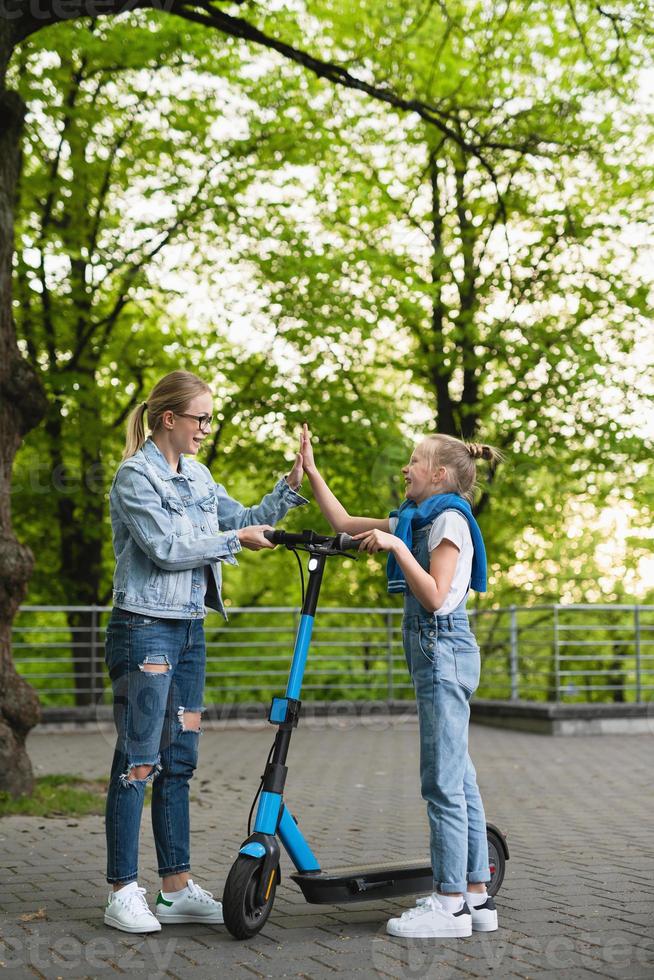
111,199
364,271
489,271
109,180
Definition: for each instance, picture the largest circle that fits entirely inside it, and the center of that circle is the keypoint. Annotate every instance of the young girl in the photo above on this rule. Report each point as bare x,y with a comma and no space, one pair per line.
173,527
436,554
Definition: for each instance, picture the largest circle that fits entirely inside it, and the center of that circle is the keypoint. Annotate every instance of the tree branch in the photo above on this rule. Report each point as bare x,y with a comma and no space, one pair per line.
46,218
105,186
583,40
206,14
107,322
137,373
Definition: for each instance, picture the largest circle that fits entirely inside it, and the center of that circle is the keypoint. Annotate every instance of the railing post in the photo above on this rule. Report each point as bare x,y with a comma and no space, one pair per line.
513,653
638,654
557,653
94,653
389,656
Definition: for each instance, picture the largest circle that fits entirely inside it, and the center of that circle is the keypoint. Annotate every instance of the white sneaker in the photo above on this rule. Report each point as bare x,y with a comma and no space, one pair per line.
484,917
429,920
128,911
195,905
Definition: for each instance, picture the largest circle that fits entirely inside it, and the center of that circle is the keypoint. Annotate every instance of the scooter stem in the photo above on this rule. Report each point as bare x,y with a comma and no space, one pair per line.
303,638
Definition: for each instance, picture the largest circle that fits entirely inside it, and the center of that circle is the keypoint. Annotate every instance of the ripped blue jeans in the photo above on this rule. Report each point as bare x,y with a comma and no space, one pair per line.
149,712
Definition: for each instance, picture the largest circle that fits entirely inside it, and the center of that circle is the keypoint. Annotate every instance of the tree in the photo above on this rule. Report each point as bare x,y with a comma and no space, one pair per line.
507,277
509,281
90,314
96,282
480,135
22,401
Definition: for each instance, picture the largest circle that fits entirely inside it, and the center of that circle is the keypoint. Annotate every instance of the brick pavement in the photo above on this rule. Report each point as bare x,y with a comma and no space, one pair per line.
577,900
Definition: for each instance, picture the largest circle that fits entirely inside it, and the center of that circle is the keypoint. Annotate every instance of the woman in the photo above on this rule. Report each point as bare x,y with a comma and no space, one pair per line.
173,527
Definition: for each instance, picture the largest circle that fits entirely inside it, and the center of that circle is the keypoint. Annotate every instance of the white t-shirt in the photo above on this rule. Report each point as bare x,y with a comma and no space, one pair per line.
451,526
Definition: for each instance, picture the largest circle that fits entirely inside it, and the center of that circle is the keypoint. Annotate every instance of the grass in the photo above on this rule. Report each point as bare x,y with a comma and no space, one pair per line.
57,796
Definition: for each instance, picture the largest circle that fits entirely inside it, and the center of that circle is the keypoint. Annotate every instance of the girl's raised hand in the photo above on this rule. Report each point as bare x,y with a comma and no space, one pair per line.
306,450
376,540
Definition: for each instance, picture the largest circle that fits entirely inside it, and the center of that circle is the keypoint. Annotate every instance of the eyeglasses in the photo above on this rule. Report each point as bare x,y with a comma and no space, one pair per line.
204,421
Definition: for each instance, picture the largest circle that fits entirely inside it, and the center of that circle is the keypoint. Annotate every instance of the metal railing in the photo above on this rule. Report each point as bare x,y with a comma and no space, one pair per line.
539,653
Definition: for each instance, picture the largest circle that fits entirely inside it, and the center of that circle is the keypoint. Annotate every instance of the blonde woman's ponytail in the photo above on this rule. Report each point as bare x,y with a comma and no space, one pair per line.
135,431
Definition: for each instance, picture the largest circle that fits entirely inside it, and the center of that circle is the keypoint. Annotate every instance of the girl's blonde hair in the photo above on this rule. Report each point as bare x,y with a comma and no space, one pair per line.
173,392
459,458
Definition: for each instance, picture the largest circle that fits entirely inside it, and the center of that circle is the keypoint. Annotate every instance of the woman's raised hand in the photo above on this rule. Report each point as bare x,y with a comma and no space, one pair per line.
294,478
306,449
252,537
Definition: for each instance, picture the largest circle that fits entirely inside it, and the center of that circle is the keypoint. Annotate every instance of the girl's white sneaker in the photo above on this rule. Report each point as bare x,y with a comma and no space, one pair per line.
128,911
193,905
484,917
429,920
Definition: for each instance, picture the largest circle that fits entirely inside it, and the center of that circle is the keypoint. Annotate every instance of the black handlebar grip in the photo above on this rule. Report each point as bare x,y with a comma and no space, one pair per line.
277,537
347,543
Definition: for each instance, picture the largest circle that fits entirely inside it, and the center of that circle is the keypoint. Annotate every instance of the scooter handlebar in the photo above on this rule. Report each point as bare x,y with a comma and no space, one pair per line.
339,542
346,542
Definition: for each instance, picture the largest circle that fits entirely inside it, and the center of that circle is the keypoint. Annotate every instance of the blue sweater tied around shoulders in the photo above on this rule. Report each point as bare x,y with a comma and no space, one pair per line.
411,517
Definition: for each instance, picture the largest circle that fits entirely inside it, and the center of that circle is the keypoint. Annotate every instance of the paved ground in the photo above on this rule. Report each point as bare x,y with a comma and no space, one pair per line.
577,901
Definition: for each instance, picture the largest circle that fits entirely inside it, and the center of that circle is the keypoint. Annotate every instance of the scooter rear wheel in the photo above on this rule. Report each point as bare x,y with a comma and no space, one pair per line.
497,863
244,917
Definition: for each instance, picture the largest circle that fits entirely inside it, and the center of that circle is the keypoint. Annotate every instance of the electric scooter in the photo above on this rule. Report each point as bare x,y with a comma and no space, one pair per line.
252,881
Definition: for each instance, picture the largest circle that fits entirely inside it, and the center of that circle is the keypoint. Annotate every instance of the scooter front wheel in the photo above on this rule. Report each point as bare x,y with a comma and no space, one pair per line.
244,916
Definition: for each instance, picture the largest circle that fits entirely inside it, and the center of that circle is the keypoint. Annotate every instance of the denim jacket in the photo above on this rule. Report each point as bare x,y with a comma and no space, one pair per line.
172,531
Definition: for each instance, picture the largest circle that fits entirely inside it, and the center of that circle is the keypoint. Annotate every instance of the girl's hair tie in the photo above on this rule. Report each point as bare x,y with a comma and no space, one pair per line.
481,451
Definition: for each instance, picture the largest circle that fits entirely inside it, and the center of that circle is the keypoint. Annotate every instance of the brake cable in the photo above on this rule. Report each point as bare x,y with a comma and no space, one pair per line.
256,795
299,561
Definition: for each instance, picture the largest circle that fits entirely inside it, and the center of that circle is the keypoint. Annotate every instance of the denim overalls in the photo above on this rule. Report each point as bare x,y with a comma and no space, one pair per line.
443,660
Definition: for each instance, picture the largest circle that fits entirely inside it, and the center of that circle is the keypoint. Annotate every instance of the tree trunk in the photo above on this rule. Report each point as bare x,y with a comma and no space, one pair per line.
22,406
439,373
